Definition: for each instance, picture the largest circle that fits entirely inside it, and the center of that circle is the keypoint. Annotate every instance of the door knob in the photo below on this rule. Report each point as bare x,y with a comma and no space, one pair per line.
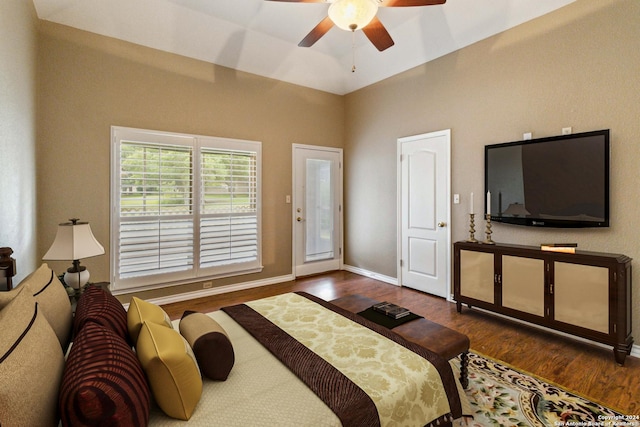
442,224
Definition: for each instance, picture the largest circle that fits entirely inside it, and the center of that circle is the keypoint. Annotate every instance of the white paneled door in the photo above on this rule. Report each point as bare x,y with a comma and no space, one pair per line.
424,233
317,209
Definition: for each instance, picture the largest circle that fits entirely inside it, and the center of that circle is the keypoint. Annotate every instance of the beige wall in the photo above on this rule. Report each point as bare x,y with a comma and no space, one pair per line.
18,37
575,67
89,83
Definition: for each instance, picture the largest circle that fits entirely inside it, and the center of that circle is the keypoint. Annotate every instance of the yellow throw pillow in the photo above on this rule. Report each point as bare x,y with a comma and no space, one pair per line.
141,311
174,377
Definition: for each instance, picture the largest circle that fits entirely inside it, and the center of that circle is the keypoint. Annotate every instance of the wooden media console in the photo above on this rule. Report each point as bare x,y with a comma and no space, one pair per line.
586,294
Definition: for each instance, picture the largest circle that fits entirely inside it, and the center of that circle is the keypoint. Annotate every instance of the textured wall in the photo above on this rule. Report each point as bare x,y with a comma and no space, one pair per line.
91,82
577,67
18,39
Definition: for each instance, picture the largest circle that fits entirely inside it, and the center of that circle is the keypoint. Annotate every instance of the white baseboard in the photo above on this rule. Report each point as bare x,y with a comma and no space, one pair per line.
371,274
635,351
255,284
219,290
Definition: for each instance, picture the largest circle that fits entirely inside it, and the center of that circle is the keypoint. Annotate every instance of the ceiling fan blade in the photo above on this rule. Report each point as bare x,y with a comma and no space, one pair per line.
407,3
378,34
318,31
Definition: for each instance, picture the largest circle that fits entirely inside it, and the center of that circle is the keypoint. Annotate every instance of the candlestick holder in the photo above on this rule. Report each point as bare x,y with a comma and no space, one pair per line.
488,240
472,229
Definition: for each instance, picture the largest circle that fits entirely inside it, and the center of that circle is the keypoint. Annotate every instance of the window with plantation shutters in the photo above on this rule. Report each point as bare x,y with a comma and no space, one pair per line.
184,207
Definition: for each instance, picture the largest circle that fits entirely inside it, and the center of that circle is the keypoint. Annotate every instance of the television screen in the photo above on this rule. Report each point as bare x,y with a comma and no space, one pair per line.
560,181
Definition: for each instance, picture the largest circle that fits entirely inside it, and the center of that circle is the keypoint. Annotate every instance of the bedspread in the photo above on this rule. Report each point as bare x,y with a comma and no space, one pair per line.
388,380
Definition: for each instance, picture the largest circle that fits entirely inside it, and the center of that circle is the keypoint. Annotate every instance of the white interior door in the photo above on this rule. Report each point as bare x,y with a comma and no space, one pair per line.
317,209
425,238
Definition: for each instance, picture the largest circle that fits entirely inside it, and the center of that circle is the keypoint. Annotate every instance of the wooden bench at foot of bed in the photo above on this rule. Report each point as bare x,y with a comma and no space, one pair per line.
433,336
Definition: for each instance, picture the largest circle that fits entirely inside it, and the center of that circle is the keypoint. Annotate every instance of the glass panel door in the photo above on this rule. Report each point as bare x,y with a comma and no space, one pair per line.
317,216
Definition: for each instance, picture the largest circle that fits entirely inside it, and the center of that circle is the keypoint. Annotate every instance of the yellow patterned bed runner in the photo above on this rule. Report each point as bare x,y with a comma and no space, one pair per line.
406,389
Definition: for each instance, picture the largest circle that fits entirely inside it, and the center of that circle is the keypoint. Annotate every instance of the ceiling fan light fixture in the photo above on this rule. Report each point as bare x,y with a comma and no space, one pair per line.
351,15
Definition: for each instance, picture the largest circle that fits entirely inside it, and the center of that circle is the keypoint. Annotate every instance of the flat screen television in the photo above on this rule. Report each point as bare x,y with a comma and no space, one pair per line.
560,181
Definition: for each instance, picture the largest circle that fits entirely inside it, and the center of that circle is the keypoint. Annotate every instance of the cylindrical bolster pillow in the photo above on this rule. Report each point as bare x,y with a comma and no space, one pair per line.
210,344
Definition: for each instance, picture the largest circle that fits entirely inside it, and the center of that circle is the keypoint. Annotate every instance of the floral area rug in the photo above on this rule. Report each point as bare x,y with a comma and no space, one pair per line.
501,396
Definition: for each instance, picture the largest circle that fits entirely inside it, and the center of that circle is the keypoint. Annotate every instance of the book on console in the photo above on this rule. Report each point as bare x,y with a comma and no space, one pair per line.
569,248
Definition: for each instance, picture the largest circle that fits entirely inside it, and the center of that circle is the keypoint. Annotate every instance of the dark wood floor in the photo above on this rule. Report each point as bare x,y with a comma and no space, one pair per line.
585,369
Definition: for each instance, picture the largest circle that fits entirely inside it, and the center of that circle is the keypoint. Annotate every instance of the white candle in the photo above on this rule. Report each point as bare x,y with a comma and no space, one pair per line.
488,202
471,204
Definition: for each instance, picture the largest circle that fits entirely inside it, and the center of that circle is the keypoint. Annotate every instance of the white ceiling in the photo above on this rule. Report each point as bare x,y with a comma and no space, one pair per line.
261,37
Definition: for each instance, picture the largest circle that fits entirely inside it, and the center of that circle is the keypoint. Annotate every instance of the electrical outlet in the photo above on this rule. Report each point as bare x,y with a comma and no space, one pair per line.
567,131
207,285
526,136
456,199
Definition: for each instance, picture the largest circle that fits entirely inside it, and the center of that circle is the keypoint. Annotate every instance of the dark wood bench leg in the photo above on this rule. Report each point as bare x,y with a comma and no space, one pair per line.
464,372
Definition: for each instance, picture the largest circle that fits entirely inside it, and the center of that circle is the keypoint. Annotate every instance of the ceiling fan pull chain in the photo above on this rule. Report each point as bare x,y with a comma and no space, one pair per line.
353,51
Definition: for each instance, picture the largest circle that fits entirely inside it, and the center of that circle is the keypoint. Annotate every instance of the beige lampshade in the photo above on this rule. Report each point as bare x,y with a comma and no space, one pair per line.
74,240
352,15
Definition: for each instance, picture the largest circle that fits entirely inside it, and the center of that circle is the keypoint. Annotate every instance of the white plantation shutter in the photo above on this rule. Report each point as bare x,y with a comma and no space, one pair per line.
228,207
156,220
185,207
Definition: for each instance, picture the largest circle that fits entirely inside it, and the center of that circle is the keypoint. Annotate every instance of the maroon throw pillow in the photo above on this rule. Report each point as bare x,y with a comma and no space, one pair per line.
103,382
98,306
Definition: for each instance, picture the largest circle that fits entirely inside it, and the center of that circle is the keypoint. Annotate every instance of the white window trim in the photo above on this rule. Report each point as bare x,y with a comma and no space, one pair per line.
195,142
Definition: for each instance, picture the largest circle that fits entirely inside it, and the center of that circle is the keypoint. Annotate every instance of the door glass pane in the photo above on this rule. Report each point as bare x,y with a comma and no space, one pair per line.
319,211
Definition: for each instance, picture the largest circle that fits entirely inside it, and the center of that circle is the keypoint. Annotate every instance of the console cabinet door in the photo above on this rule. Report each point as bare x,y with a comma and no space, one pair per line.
477,275
581,295
523,284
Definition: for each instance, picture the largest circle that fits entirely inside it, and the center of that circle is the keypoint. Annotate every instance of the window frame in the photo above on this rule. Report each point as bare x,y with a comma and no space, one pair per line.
197,144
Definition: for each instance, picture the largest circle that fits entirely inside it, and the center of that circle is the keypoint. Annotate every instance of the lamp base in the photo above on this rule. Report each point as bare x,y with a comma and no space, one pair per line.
76,279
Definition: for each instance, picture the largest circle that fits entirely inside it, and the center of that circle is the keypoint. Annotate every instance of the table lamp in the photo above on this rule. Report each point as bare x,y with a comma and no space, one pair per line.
74,241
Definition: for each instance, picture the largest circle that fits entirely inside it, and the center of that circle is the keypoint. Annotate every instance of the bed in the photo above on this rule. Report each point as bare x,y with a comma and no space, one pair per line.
291,359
